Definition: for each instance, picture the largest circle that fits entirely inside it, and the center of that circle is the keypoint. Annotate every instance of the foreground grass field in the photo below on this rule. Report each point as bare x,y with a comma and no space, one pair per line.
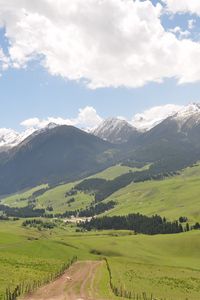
166,266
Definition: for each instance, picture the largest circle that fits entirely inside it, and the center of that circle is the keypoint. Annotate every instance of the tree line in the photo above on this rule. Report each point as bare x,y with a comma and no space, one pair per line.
90,211
136,222
22,212
97,209
38,224
104,188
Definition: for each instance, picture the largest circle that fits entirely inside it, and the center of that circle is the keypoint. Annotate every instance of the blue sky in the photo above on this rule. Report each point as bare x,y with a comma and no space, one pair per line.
31,90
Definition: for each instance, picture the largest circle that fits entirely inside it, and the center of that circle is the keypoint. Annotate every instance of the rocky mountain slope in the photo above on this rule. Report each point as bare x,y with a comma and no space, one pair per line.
115,131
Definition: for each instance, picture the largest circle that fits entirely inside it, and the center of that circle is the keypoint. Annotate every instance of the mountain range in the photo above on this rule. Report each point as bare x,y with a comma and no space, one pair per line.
64,153
115,130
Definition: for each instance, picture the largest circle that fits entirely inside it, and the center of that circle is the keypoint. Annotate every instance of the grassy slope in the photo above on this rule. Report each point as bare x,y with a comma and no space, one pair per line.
56,196
173,197
18,199
167,266
114,171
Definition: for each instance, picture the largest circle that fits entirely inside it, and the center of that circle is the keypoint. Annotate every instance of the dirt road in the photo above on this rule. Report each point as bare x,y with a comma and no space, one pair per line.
76,284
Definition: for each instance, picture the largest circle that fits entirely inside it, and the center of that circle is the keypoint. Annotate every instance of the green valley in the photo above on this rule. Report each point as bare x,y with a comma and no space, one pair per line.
159,266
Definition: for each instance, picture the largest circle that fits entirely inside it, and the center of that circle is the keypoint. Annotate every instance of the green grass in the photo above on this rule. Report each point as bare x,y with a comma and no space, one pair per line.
55,197
165,265
173,197
115,171
20,199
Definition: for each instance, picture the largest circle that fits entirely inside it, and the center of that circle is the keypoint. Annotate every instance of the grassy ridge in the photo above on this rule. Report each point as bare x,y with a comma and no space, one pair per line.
20,199
167,266
173,197
116,171
55,197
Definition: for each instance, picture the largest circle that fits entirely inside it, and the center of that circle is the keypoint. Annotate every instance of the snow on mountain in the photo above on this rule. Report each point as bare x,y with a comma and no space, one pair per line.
154,116
188,115
115,130
10,138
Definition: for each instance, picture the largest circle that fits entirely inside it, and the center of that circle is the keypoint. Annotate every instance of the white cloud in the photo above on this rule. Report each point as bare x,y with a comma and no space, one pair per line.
191,23
4,61
32,122
183,6
180,32
153,116
105,42
38,123
87,118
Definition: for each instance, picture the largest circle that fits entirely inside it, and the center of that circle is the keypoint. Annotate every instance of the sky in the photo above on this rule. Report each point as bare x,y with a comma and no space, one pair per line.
79,62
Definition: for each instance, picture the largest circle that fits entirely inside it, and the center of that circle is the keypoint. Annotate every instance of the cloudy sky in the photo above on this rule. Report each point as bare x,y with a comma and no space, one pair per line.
78,62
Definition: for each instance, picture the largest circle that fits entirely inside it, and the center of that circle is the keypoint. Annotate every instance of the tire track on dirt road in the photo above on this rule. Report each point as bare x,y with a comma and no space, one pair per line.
77,283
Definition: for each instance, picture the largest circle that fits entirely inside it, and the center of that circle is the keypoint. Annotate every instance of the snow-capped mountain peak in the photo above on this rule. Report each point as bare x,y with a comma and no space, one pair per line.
115,130
188,111
10,138
188,116
154,116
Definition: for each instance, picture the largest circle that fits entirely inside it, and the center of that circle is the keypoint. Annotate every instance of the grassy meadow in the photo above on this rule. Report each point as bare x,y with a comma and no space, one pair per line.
56,198
166,266
172,197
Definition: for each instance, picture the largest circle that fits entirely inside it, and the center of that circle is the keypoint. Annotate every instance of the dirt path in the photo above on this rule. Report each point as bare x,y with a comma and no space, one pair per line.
76,284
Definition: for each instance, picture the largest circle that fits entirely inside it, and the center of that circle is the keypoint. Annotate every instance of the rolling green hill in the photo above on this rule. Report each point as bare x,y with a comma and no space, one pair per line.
55,197
172,197
166,266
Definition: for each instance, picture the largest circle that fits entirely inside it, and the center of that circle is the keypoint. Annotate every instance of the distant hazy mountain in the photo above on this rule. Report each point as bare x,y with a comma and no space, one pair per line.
115,131
52,155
